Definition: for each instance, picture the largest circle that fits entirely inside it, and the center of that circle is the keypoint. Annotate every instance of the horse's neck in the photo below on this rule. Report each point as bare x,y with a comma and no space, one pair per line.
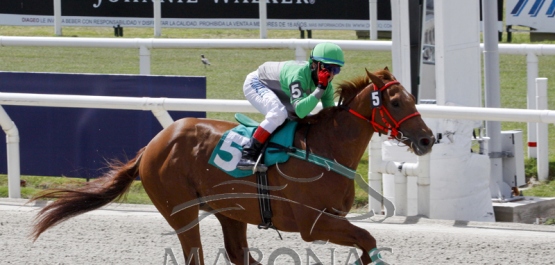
344,138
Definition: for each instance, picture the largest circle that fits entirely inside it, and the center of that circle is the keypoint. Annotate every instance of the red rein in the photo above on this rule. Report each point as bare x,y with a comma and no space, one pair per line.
387,127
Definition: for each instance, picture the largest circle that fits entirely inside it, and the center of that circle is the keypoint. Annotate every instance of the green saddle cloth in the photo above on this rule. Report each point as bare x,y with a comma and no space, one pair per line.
228,152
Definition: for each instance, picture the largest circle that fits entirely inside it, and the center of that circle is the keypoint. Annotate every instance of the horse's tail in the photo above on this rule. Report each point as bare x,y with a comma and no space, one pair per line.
69,203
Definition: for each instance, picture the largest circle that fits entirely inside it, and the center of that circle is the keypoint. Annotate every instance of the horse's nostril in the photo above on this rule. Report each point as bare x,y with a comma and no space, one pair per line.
425,141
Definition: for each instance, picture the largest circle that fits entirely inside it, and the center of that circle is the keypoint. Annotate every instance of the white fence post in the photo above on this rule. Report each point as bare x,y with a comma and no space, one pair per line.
373,19
374,174
263,18
300,53
58,17
157,108
12,148
157,18
543,147
144,60
531,75
423,185
401,193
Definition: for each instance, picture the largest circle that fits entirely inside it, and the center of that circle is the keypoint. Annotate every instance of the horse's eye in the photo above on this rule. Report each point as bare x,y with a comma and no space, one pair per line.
395,103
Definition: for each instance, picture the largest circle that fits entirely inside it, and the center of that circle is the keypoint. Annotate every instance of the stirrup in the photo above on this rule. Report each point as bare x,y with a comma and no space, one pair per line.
259,167
246,167
256,166
250,166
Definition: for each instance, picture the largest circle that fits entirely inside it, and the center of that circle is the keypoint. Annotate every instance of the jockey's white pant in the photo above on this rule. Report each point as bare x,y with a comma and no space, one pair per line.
265,101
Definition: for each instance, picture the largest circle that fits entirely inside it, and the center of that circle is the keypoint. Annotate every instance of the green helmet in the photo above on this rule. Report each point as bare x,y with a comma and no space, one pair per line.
328,53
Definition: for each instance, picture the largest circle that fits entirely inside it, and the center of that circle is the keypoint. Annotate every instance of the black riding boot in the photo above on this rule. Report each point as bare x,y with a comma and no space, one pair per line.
251,151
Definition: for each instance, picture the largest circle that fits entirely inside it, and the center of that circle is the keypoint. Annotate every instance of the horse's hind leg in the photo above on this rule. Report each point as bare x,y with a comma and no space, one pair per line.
235,239
185,224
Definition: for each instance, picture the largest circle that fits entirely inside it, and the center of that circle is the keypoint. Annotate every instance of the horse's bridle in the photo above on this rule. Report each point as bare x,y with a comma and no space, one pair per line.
389,128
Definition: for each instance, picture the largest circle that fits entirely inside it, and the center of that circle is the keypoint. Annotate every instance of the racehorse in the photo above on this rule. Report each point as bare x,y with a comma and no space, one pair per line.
177,177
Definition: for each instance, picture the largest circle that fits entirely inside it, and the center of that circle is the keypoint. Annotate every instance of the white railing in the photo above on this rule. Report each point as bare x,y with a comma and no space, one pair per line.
229,105
160,106
145,45
532,51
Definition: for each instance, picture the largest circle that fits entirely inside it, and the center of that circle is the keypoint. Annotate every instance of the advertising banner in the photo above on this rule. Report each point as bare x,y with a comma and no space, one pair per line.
75,142
236,14
538,14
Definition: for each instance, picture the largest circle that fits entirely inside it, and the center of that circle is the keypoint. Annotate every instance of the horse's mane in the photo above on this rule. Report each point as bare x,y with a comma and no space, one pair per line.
346,92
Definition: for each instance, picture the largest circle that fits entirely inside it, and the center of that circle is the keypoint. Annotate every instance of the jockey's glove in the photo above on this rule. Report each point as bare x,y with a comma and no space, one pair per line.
323,77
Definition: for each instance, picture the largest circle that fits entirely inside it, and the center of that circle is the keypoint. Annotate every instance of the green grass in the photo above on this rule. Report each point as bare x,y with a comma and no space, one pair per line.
545,190
34,184
38,183
229,68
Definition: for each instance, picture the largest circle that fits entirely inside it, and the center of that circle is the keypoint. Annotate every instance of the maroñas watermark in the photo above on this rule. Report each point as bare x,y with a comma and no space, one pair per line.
278,256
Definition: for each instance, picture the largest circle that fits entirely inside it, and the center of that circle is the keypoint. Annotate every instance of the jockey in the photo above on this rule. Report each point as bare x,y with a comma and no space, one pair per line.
289,89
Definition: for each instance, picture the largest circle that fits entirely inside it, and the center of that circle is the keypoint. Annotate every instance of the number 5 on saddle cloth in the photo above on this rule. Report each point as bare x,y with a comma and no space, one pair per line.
227,153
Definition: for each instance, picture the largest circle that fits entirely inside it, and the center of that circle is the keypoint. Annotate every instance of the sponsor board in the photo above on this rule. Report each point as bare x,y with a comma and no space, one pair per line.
75,142
536,14
238,14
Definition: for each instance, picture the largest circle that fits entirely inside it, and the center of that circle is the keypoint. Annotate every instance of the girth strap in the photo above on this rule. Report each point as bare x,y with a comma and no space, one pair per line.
264,194
264,199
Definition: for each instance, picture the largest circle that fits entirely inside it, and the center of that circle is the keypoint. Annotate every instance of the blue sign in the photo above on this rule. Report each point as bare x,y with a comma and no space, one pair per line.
535,9
78,142
537,14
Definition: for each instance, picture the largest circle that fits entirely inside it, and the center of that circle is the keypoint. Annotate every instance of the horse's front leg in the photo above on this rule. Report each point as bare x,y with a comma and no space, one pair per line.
319,225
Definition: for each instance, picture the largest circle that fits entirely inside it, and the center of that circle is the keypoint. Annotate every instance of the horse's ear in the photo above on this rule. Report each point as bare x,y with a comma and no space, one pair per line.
387,69
376,80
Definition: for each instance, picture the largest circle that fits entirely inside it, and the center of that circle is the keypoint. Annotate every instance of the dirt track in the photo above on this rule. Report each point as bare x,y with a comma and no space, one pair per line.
137,234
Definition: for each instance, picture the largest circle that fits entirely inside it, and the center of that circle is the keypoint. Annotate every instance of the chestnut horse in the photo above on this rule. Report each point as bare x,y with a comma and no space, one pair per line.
175,171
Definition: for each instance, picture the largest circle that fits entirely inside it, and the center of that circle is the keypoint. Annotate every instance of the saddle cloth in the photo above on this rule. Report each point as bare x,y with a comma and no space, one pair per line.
228,152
